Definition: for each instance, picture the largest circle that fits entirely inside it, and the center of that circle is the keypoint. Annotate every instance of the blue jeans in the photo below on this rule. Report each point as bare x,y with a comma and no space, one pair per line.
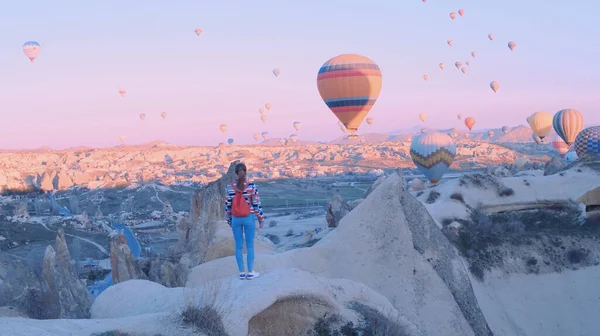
247,227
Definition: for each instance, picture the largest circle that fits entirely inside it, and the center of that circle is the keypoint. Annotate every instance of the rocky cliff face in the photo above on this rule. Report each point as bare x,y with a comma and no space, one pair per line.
66,292
336,210
123,263
207,208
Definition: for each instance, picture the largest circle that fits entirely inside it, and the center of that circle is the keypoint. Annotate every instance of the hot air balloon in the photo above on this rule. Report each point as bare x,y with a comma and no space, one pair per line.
263,118
560,146
264,135
571,157
470,122
567,124
442,66
256,136
461,12
267,106
494,86
587,143
536,138
350,85
458,65
450,42
282,141
491,36
370,121
31,50
122,92
423,130
468,63
453,15
541,123
505,129
474,54
511,45
163,115
433,153
342,127
294,138
422,116
425,77
459,116
198,31
261,111
122,139
230,141
297,125
464,70
223,128
491,134
142,116
276,72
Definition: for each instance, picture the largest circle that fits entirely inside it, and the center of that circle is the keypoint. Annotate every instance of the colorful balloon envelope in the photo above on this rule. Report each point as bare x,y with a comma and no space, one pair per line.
265,135
223,128
587,143
540,123
470,122
567,124
370,121
297,125
433,153
560,146
294,138
230,141
350,85
31,49
505,129
256,136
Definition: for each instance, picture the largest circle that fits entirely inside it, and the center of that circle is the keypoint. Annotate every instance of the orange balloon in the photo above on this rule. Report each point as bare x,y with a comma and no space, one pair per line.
470,122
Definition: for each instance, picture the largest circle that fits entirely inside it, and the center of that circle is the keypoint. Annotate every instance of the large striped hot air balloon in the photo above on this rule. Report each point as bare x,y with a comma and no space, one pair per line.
560,146
433,153
567,124
587,143
540,123
350,85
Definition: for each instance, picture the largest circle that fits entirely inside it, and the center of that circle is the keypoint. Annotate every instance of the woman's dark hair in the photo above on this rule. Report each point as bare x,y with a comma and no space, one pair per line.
240,166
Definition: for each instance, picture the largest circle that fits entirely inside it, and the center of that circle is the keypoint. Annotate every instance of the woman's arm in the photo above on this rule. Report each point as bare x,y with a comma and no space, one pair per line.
257,205
228,200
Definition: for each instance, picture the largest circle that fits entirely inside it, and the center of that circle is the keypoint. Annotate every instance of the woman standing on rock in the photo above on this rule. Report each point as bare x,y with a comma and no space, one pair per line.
242,205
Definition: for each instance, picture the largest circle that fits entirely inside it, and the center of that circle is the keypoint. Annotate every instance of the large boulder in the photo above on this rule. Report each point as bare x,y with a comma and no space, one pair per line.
336,210
393,247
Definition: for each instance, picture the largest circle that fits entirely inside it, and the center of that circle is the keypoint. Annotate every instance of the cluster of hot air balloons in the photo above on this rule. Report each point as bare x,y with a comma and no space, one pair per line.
566,123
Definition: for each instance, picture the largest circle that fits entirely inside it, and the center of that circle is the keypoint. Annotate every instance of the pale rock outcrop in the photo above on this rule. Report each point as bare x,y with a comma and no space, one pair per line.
207,208
140,297
164,272
501,172
354,203
123,264
64,181
554,166
417,185
374,186
17,283
223,244
46,181
336,210
401,254
67,293
167,209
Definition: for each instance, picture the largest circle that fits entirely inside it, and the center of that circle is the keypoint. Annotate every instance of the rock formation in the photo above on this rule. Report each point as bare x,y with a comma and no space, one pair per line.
207,208
68,293
336,210
401,254
123,263
17,284
554,166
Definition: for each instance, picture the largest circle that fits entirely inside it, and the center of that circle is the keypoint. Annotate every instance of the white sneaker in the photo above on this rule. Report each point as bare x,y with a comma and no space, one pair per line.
252,275
242,276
